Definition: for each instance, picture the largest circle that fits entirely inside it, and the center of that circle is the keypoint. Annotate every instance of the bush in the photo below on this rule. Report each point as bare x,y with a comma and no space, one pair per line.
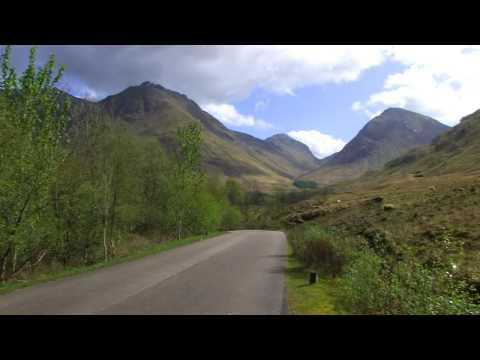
371,286
320,249
421,290
205,214
373,278
232,218
362,288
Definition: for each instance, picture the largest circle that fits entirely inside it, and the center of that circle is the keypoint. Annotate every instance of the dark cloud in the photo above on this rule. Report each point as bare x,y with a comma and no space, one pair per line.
209,74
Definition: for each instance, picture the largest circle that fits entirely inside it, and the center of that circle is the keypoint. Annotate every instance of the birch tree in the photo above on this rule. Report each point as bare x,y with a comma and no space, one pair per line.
33,119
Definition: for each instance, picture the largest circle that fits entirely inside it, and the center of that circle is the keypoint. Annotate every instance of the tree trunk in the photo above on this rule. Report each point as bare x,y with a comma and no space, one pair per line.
3,269
105,217
85,255
105,247
40,258
112,221
14,262
179,229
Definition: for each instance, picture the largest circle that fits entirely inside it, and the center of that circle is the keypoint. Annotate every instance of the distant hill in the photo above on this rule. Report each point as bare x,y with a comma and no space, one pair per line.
298,153
153,110
457,150
385,137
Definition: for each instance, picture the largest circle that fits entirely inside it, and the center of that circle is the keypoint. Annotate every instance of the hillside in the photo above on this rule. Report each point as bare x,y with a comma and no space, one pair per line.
156,111
385,137
428,198
457,150
295,151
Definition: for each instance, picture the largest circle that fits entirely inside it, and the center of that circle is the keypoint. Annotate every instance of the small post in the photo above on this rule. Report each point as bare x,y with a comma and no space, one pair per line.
313,277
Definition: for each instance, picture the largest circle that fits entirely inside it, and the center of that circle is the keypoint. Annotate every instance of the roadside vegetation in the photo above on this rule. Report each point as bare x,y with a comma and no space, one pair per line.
78,194
377,277
308,299
137,247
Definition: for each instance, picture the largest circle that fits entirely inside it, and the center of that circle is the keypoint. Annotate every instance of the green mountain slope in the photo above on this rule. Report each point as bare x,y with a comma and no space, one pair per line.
457,150
156,111
385,137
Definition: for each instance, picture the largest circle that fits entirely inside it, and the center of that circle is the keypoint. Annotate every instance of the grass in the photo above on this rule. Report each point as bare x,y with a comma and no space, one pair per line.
145,250
427,210
305,299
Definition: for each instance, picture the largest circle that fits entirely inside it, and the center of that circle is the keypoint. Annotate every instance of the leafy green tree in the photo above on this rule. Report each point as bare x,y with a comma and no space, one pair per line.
232,218
152,175
33,120
74,192
205,212
185,179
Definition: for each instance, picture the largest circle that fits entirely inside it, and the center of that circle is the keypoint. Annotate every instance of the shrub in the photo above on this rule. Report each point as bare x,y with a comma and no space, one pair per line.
421,290
320,249
371,286
362,288
232,218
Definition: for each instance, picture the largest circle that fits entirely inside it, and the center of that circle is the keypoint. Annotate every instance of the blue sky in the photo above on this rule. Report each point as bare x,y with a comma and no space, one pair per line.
321,95
326,108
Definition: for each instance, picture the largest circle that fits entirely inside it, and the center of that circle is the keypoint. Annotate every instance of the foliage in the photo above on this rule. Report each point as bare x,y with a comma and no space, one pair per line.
234,193
315,299
185,182
373,279
75,193
33,120
320,249
371,286
232,218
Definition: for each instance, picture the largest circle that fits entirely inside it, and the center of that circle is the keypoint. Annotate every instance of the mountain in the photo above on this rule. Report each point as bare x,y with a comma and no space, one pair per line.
419,199
296,152
385,137
153,110
455,151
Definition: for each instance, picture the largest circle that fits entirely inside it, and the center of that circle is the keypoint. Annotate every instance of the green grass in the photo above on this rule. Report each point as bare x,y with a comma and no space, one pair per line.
305,299
146,250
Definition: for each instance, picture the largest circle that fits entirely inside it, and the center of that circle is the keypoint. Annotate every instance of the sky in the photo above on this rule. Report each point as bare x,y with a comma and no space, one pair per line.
321,95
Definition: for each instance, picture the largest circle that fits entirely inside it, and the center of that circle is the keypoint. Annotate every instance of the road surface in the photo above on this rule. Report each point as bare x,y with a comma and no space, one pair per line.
241,272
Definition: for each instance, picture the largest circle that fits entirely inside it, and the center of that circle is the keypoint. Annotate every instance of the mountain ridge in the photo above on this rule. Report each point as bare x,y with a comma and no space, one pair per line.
383,138
153,110
457,150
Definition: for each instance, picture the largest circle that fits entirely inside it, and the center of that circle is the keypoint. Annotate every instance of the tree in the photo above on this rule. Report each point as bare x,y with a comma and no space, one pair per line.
153,183
185,179
33,119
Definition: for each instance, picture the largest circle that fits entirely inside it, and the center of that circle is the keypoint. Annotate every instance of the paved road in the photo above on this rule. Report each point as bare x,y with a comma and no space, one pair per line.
240,272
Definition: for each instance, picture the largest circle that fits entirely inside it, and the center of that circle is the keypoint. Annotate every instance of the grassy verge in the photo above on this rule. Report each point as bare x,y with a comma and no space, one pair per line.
146,250
305,299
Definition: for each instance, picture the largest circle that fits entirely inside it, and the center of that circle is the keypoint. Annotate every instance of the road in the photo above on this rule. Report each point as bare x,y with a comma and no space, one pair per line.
241,272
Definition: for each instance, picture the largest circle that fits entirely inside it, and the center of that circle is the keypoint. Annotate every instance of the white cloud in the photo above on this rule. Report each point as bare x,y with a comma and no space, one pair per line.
440,81
227,114
321,145
357,105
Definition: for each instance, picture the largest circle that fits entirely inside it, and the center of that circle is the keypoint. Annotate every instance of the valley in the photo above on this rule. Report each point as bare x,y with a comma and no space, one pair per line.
151,110
389,224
